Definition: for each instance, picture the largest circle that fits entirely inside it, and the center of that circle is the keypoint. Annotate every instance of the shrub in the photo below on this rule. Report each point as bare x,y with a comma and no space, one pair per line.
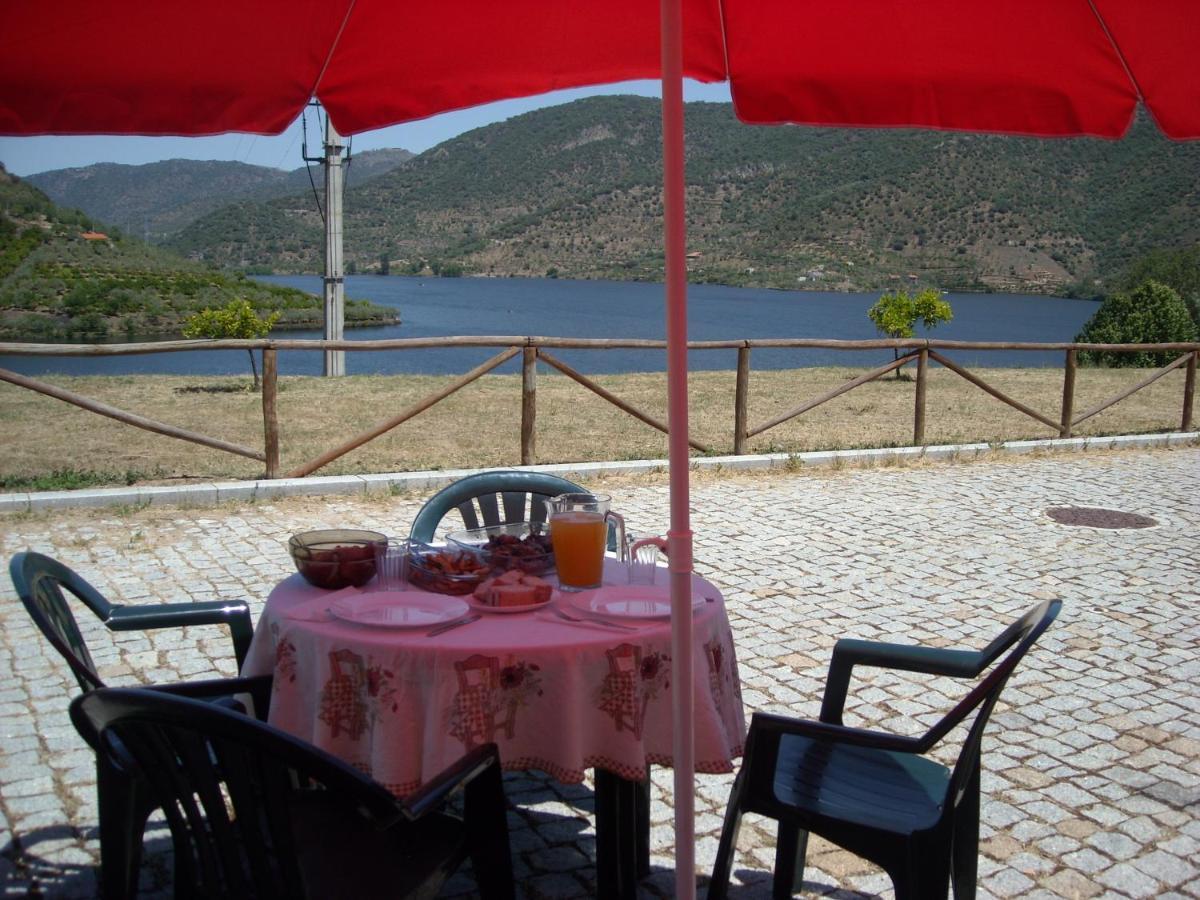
1178,269
236,319
1151,313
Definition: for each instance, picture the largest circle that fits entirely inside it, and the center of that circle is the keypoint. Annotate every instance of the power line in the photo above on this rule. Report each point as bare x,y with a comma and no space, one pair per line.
309,160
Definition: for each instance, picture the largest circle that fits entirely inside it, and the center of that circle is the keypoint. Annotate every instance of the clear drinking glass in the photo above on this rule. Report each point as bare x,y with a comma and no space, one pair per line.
579,533
391,565
643,560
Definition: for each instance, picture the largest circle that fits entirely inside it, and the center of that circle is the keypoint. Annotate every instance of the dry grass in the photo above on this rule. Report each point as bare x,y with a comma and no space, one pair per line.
480,425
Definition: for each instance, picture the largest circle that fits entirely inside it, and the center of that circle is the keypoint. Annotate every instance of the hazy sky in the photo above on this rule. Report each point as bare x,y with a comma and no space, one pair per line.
25,156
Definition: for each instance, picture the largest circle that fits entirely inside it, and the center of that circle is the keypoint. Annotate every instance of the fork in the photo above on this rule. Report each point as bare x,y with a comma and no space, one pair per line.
598,623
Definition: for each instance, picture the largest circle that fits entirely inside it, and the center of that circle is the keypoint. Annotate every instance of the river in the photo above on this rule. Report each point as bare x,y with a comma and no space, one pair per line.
603,309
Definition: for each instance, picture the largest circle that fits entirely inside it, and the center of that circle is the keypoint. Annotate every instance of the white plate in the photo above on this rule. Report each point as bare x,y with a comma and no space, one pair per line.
399,609
619,601
506,610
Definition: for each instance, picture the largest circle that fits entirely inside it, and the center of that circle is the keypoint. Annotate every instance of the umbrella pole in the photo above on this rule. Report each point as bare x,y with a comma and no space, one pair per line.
679,537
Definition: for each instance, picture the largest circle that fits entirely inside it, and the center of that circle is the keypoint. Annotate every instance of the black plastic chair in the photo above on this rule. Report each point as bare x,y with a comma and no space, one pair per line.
502,497
874,793
257,813
44,584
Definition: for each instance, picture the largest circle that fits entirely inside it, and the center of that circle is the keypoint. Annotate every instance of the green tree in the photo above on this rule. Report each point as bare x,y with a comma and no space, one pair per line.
1151,313
1177,269
896,315
236,319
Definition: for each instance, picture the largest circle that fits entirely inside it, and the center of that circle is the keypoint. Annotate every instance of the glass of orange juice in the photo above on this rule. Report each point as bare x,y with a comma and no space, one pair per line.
579,532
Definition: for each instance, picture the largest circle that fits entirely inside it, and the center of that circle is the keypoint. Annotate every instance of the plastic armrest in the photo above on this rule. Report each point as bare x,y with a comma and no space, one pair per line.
258,687
433,793
767,723
234,613
848,653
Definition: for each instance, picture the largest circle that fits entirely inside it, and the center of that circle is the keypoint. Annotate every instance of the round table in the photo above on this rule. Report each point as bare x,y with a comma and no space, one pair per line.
556,696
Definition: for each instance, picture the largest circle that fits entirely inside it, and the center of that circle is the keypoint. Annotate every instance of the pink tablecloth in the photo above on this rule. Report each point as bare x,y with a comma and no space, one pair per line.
402,706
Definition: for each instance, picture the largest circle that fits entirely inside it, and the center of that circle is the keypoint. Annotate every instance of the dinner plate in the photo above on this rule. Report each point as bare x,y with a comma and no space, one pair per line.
506,610
631,601
399,609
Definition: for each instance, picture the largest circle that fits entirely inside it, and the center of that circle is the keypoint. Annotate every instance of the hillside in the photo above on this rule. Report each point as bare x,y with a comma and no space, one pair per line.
157,199
65,277
574,190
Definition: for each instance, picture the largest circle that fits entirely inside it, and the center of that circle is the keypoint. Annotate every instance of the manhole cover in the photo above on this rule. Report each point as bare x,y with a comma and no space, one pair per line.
1097,517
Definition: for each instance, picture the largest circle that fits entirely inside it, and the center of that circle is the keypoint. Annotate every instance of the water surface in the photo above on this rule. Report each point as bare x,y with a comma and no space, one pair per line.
434,307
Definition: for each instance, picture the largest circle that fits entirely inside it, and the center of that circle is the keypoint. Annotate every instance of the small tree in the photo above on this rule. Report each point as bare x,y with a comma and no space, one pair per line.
896,314
1178,269
1151,313
236,319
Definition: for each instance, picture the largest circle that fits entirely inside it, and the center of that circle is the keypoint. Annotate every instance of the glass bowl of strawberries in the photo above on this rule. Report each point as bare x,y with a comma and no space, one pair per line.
334,558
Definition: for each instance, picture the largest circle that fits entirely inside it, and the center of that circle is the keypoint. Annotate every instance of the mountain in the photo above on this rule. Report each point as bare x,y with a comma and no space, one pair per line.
157,199
574,190
64,276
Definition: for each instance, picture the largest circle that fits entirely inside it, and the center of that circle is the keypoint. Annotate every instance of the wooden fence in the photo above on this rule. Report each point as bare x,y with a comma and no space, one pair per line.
536,349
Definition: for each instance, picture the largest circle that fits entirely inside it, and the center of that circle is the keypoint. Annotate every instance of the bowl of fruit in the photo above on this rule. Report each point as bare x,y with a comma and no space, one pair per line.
334,558
524,546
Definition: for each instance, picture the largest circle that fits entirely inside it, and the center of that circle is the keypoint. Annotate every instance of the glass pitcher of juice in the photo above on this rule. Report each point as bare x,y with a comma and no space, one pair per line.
579,533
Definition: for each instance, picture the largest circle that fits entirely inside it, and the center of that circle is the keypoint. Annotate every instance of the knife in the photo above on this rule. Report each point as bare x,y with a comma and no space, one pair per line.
442,629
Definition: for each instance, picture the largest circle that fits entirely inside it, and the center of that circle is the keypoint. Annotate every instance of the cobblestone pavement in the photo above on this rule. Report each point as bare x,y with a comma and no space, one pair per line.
1091,764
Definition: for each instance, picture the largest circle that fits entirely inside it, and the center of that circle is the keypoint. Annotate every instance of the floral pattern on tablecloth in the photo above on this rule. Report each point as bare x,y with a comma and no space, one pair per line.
723,681
357,693
285,658
488,696
634,679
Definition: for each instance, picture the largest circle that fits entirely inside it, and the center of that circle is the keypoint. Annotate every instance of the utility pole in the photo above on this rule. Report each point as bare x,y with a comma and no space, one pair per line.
334,281
335,284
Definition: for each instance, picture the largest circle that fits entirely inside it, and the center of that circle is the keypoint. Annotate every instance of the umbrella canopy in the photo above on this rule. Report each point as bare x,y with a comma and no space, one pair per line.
1039,67
1036,67
1032,67
79,67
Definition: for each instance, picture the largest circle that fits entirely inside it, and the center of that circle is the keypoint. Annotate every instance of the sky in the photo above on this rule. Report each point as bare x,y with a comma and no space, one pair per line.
30,155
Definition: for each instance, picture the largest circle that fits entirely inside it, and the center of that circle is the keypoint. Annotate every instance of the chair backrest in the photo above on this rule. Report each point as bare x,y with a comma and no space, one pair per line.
501,497
40,583
225,782
1023,633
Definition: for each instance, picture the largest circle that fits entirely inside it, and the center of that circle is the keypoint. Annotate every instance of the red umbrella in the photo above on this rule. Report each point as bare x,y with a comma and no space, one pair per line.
1043,67
1036,67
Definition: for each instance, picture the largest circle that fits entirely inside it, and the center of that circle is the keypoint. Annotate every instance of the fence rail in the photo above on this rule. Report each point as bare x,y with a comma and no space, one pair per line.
534,349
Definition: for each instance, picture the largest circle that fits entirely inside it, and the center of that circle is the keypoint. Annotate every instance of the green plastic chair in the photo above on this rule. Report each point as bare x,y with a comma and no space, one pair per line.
41,581
872,793
491,498
44,584
256,812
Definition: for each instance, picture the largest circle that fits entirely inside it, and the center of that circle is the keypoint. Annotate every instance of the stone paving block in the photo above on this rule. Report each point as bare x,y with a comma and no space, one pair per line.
1091,763
1129,882
1167,868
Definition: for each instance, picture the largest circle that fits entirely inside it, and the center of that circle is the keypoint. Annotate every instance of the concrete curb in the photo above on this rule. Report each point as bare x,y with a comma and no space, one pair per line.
223,491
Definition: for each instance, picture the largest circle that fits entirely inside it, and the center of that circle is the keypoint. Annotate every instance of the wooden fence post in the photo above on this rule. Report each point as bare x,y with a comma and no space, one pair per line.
1068,398
529,406
741,393
919,411
1189,392
270,390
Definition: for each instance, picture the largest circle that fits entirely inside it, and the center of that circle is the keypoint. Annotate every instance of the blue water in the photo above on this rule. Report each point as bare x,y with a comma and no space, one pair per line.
599,309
